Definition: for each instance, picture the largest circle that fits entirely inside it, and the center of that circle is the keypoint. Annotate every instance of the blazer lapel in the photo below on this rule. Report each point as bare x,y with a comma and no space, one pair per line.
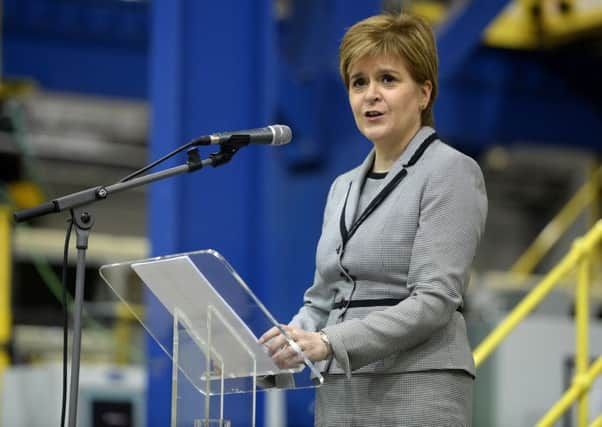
409,151
355,189
349,208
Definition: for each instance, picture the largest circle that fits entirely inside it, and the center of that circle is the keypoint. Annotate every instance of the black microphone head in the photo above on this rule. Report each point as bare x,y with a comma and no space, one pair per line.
282,134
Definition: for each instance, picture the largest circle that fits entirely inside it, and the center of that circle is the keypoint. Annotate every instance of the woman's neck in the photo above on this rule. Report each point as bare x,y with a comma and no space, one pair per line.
384,159
385,155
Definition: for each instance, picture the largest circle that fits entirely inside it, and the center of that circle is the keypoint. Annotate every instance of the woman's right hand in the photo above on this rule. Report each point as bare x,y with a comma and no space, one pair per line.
284,355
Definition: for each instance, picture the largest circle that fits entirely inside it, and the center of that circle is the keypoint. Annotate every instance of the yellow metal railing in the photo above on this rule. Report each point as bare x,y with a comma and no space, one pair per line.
5,290
597,422
579,256
5,269
578,390
126,315
587,195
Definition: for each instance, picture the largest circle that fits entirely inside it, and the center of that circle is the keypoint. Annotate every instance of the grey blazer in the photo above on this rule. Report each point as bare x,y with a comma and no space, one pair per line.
416,246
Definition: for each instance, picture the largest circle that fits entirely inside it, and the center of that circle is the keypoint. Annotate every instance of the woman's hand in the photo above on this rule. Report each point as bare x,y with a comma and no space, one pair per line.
284,356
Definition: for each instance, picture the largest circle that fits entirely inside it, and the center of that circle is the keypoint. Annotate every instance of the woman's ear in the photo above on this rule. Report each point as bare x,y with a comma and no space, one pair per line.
426,88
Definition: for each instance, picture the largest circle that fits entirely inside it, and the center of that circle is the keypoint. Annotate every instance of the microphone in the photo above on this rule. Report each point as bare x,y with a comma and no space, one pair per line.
270,135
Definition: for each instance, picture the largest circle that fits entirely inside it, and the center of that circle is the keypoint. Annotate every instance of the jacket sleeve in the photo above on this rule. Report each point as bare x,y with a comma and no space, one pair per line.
453,208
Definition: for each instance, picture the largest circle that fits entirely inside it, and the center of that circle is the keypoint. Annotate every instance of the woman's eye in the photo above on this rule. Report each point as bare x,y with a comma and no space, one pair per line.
387,78
359,82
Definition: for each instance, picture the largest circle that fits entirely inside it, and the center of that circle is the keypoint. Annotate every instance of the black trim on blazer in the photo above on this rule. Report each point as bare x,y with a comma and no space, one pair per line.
366,303
377,175
342,225
383,302
380,197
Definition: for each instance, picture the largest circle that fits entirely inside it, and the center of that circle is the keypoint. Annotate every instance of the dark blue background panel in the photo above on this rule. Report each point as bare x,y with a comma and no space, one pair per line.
96,47
461,33
504,96
77,67
109,22
209,69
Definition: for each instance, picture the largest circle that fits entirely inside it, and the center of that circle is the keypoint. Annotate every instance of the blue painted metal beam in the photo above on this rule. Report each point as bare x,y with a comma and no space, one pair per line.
98,22
462,33
508,96
95,47
209,71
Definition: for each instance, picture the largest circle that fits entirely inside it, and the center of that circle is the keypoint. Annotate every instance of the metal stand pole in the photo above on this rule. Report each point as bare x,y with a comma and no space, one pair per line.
83,222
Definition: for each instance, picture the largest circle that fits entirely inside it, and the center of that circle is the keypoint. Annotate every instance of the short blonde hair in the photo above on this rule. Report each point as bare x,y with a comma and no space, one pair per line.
404,36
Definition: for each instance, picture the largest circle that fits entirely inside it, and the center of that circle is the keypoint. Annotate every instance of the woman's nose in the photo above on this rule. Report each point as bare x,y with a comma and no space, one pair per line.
372,93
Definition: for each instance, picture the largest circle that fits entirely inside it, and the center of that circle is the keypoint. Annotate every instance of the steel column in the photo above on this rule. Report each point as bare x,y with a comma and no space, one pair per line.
5,285
208,73
462,33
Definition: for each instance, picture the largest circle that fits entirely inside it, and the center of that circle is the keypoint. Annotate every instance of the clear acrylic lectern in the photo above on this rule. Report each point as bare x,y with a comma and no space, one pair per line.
211,337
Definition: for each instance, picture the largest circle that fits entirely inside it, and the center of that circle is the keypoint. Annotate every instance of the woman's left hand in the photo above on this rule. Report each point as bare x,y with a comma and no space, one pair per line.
284,356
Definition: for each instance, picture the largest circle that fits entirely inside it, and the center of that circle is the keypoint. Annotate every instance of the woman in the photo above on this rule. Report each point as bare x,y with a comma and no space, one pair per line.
384,314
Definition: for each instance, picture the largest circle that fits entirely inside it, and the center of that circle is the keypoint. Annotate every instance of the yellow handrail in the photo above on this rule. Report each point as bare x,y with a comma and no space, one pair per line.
559,225
125,314
580,385
597,422
579,255
5,287
5,290
537,294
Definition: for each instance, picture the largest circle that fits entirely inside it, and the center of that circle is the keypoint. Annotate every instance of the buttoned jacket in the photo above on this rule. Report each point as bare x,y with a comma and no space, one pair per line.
416,246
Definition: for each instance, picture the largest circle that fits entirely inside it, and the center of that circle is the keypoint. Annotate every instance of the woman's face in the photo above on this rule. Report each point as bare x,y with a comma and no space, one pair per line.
385,100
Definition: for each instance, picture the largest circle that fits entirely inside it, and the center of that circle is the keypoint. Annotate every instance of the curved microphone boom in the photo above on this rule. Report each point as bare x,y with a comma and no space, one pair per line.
270,135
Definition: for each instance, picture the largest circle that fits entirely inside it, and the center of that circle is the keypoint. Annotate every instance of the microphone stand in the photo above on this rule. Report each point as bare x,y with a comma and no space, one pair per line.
84,221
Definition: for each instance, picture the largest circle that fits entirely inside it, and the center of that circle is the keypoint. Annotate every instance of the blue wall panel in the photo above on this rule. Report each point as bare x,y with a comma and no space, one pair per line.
208,74
96,47
461,33
500,97
75,67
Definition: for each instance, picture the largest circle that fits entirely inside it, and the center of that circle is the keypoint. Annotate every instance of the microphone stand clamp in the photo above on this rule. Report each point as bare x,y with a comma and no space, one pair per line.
225,154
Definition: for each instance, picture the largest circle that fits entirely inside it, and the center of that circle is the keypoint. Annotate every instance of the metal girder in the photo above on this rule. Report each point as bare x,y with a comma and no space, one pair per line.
210,64
90,47
462,32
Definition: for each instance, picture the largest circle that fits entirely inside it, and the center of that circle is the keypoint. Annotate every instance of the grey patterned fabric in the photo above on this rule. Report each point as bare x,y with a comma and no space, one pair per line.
369,191
413,399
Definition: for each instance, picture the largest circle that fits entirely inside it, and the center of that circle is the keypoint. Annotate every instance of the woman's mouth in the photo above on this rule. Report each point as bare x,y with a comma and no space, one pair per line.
373,115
